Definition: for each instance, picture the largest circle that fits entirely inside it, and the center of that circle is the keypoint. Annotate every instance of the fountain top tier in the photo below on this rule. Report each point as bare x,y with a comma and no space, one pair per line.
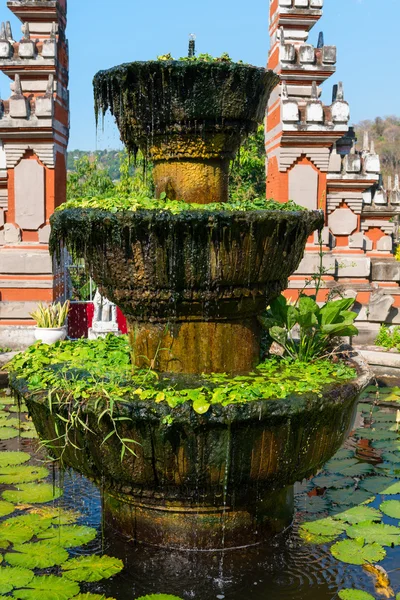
166,96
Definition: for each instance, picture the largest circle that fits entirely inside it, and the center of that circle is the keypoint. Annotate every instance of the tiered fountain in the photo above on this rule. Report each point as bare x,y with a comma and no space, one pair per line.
192,286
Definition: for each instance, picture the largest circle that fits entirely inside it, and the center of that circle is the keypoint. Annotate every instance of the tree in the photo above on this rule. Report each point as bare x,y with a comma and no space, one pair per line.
88,179
247,180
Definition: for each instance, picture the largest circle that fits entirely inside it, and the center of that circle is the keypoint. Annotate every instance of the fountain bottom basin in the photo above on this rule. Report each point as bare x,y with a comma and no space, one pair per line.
204,481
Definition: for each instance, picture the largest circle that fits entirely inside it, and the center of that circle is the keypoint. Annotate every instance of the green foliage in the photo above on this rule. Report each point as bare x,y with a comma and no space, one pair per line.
51,316
355,595
68,536
159,597
389,337
354,552
89,596
48,587
197,58
15,533
6,508
8,433
324,528
391,508
377,485
88,179
11,577
92,568
22,474
37,555
13,458
319,327
358,514
247,176
381,533
118,203
33,493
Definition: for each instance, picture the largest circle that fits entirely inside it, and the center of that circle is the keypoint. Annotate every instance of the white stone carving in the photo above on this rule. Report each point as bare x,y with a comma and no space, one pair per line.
104,318
318,156
359,240
385,243
29,194
12,234
14,152
342,221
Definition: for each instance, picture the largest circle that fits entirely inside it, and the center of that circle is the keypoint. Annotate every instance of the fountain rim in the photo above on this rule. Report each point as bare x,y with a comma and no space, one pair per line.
255,410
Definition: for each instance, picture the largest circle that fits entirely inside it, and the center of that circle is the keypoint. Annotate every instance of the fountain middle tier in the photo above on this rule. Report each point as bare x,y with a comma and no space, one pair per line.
190,284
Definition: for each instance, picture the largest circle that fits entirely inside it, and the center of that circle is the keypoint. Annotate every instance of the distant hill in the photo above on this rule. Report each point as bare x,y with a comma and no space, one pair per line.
386,134
109,160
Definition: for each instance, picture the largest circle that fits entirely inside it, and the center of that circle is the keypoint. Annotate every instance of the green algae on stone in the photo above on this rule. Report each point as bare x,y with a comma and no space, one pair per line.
33,493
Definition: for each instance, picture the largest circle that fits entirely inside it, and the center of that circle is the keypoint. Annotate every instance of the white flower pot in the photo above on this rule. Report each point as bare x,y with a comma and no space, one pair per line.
50,335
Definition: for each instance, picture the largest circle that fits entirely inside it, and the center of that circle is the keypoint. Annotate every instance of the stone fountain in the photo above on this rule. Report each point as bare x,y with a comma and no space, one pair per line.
192,286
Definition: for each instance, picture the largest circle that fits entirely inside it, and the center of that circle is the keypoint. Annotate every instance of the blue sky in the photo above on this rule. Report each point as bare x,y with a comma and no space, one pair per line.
103,34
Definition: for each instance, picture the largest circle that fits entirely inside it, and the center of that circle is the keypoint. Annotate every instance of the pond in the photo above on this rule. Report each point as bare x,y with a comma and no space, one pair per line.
363,477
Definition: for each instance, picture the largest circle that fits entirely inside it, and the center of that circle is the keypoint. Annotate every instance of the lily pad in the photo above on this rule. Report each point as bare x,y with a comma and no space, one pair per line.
58,515
391,457
348,498
13,458
358,470
92,568
48,587
313,504
15,533
90,597
33,493
37,555
11,577
343,453
159,597
28,435
35,522
355,595
69,536
321,531
376,434
392,489
375,485
386,535
336,466
359,514
354,552
385,417
6,508
391,508
22,474
333,481
8,433
390,445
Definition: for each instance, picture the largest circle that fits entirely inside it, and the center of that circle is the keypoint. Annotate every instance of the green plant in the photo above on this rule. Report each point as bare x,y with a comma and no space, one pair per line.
389,337
318,327
88,179
52,316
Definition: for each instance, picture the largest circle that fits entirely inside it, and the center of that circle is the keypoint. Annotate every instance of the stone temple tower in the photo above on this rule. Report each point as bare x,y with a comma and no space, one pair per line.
313,159
34,127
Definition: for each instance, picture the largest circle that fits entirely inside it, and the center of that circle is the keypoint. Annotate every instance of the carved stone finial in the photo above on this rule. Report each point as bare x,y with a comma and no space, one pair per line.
372,147
366,142
9,34
321,43
396,183
285,94
17,86
3,35
389,183
53,32
26,35
353,148
282,35
340,91
50,85
334,93
314,91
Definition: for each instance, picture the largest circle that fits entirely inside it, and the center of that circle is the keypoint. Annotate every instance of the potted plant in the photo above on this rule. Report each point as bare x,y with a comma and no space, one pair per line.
50,322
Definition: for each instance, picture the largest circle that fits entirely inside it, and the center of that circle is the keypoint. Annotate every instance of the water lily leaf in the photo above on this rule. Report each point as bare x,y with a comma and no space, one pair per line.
391,508
8,433
11,577
358,470
392,489
159,597
313,504
354,552
37,555
390,445
342,454
6,508
9,422
22,474
376,434
391,457
359,514
333,481
348,497
90,597
92,568
13,458
386,535
385,417
336,466
29,435
355,595
48,587
15,408
33,493
69,536
375,485
15,533
35,522
58,515
324,527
